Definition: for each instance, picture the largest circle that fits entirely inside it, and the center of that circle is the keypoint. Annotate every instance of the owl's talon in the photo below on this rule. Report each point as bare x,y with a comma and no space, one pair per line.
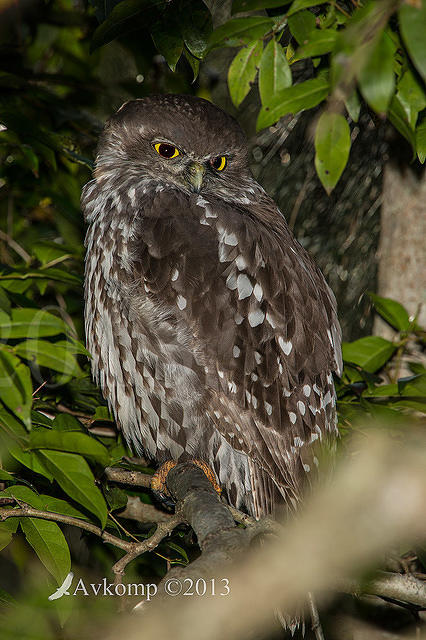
158,482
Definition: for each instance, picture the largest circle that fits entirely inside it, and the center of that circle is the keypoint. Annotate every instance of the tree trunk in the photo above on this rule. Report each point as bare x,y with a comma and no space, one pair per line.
402,246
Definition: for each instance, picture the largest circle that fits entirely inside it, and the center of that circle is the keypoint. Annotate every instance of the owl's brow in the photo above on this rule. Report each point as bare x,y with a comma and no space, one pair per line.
210,156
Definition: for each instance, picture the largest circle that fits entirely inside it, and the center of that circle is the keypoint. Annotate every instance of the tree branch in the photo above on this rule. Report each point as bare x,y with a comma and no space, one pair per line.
133,478
395,586
162,531
376,500
143,512
221,542
29,512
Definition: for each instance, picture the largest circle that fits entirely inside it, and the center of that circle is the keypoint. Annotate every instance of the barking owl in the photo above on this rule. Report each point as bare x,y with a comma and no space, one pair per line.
213,334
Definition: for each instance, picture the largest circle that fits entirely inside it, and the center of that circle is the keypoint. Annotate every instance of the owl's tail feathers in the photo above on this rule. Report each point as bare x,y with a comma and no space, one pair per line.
297,621
291,623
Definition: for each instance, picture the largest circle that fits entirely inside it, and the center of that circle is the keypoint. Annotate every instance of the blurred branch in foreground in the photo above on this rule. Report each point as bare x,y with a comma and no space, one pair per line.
376,500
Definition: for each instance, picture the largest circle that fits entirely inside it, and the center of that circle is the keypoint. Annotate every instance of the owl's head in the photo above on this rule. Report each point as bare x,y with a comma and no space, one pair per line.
175,140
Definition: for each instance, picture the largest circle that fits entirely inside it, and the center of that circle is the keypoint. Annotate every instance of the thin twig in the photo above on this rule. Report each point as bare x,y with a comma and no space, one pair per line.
15,246
78,414
132,549
75,522
315,619
162,531
123,529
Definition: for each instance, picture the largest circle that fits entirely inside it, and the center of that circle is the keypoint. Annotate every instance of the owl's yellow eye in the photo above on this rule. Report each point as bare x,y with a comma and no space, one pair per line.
219,163
166,150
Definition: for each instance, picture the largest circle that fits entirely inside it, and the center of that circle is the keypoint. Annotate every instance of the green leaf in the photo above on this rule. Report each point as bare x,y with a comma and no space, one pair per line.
412,21
397,115
8,280
31,460
370,353
49,354
74,476
274,72
126,16
72,441
254,5
40,420
49,543
11,425
66,422
414,404
15,386
353,105
301,25
196,28
73,346
58,275
29,158
30,323
332,146
42,502
376,78
421,141
102,413
116,498
304,95
412,96
168,41
22,493
5,535
4,302
413,385
6,600
242,71
319,42
302,4
46,252
56,505
382,391
194,63
392,311
5,475
240,31
179,550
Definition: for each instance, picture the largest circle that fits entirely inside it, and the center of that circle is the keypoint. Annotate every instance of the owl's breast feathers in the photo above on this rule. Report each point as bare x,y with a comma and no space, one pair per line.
231,329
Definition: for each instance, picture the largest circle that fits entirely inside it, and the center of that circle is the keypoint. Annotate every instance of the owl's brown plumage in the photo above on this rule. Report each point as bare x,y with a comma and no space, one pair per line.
213,334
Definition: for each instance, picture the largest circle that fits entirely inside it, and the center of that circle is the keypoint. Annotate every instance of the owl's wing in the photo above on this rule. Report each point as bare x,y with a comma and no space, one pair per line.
262,319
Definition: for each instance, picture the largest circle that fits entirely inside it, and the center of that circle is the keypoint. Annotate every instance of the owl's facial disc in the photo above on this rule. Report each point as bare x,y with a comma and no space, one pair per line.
189,170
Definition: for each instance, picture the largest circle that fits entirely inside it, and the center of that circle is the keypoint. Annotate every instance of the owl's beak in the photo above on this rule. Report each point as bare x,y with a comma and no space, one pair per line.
196,173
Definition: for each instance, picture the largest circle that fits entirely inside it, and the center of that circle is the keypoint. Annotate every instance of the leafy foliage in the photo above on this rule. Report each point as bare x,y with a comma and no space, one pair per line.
56,434
373,48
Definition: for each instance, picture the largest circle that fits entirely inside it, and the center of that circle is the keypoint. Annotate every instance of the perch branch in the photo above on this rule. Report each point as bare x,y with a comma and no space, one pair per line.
137,478
221,542
132,478
376,500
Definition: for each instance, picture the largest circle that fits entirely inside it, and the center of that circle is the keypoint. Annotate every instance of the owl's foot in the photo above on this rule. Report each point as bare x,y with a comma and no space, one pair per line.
158,482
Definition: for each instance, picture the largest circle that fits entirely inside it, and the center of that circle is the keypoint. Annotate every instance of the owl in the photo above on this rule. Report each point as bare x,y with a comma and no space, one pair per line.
213,335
